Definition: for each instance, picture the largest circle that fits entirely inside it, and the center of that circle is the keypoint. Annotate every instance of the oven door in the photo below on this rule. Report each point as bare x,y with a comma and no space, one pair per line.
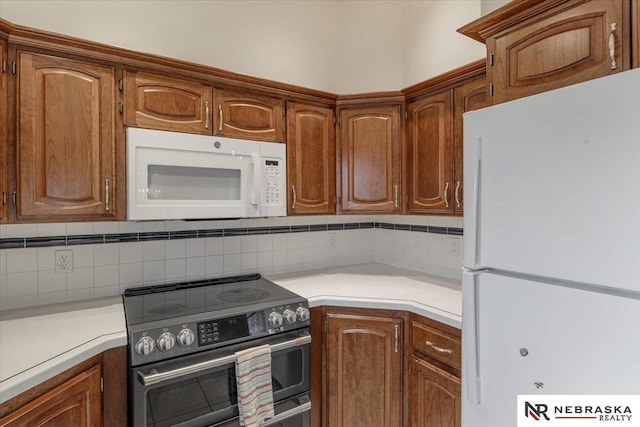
200,390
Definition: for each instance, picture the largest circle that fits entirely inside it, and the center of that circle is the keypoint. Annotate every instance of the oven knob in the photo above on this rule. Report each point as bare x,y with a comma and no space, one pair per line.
303,314
275,319
145,346
185,337
166,341
289,316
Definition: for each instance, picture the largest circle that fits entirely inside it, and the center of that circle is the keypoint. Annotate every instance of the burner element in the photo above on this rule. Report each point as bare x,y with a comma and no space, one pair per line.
243,295
168,309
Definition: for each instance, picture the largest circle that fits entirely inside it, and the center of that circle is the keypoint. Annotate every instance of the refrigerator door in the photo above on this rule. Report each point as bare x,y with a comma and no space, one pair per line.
551,183
541,338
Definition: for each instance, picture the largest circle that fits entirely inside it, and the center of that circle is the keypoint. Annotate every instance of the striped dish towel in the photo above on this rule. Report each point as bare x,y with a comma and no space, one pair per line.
255,394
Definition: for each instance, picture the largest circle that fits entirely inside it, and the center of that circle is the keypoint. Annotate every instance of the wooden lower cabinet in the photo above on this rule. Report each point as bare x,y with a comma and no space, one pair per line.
364,370
434,396
91,394
76,402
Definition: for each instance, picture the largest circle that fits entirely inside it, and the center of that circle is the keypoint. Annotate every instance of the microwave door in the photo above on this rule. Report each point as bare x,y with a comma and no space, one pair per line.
192,184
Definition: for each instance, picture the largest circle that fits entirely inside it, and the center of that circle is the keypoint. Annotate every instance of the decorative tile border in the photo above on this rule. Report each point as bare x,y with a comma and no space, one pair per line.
89,239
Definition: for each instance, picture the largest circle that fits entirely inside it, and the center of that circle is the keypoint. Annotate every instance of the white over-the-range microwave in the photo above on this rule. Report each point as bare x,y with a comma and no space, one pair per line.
173,175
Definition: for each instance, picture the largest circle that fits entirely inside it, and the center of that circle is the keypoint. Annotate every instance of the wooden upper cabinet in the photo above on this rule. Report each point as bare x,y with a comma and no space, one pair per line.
635,34
430,178
434,396
246,115
311,159
76,402
370,159
159,102
66,141
4,123
472,95
554,43
364,371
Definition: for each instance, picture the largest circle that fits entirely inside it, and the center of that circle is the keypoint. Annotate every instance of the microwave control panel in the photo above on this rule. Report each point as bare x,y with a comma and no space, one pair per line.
272,177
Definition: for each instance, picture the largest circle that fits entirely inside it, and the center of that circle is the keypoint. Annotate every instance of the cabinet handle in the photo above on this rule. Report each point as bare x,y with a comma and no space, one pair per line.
612,46
206,113
395,196
446,195
106,195
220,117
439,349
397,338
293,191
458,194
4,198
14,198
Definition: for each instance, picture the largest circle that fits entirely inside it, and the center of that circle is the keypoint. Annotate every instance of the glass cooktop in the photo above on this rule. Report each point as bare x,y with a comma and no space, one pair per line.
153,303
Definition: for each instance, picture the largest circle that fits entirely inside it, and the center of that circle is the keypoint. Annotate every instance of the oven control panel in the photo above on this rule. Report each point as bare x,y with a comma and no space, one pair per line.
159,343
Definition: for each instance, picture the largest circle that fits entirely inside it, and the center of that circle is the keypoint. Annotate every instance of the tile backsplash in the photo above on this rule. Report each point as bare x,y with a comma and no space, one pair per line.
109,257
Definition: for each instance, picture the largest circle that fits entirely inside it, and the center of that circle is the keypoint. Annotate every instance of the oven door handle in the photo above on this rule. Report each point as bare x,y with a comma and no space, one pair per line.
305,407
152,376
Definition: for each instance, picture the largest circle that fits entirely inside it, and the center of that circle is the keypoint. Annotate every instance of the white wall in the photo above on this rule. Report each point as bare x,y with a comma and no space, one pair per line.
491,5
432,46
339,46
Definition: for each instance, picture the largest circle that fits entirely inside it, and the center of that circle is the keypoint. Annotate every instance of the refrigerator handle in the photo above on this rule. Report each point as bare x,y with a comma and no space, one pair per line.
470,339
472,172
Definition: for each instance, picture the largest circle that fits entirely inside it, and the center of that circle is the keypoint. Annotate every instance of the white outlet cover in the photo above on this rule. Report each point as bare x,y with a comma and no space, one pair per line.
64,261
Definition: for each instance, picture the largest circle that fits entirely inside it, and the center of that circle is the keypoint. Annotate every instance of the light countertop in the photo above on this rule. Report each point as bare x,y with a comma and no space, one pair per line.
38,343
382,286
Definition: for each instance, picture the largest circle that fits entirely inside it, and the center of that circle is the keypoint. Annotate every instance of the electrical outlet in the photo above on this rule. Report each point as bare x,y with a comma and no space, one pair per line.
332,239
64,261
453,245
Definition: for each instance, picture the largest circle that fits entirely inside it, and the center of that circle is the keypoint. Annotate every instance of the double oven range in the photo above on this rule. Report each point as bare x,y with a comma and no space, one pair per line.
182,340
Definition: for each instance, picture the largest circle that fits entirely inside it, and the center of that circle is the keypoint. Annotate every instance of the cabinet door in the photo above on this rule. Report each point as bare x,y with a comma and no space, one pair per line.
311,159
66,139
570,45
430,155
4,123
364,370
470,96
159,102
370,159
434,394
245,115
76,402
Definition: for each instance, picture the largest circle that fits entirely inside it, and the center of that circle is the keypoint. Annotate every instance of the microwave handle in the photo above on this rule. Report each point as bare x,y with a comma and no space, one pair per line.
255,196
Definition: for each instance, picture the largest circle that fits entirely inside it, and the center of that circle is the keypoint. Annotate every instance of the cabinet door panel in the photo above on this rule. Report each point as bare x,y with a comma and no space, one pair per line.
66,142
76,402
245,115
430,151
370,150
470,96
364,368
435,399
4,134
565,48
159,102
311,159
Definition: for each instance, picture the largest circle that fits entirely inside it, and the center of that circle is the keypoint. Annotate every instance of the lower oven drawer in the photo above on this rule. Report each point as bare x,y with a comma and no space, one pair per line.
293,412
200,390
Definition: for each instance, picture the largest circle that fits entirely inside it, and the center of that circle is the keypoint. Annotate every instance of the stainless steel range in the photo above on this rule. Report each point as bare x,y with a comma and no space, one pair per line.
182,340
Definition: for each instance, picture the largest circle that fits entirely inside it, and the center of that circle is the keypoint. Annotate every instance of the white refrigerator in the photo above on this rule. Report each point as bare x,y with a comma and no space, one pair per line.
551,291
